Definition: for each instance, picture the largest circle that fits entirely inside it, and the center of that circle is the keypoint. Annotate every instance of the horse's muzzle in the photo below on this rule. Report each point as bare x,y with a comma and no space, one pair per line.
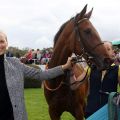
103,64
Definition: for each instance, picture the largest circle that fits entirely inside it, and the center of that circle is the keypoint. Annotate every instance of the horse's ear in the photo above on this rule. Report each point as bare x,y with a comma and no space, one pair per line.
88,15
82,13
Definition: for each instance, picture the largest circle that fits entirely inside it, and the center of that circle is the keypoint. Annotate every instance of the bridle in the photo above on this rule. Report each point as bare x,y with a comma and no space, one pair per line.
78,58
84,53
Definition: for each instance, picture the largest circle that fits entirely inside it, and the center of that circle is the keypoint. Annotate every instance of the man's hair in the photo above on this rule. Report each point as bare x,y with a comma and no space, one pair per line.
107,42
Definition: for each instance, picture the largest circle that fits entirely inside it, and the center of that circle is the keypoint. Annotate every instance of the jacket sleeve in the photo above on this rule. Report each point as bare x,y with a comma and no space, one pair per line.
42,75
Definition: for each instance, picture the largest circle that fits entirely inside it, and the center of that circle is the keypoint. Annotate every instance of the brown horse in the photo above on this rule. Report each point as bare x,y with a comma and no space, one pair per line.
80,37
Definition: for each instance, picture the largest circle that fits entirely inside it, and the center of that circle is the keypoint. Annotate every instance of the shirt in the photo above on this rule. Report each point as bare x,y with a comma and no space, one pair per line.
6,111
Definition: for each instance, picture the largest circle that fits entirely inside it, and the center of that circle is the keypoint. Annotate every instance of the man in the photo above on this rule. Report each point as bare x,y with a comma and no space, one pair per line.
102,82
12,73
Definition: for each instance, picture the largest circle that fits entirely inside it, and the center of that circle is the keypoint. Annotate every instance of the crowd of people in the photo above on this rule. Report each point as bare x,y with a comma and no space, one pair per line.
38,56
43,57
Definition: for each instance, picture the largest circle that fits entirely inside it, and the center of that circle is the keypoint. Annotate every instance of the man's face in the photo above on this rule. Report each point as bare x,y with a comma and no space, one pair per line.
110,50
3,44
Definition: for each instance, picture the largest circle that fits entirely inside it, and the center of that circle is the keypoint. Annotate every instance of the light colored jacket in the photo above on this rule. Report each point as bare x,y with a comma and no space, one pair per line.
15,72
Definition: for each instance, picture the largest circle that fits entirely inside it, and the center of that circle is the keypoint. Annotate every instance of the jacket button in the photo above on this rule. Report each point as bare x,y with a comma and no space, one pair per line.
15,105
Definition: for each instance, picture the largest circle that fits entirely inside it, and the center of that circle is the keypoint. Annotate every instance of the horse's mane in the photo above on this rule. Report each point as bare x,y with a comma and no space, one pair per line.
60,31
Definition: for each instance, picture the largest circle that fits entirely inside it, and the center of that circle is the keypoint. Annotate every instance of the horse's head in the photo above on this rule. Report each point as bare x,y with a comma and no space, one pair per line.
83,39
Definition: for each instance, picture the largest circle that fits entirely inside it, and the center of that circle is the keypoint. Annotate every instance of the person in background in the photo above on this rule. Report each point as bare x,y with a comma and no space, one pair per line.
28,56
12,74
9,54
102,82
38,56
117,53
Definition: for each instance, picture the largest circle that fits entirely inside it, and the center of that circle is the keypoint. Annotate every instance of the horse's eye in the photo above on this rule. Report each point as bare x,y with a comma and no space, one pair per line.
87,31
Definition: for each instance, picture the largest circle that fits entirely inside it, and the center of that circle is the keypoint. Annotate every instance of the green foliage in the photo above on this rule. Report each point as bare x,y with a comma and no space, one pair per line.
21,52
16,51
37,107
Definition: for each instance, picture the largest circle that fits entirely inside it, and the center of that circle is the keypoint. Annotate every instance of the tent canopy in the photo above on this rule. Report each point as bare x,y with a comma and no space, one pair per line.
116,42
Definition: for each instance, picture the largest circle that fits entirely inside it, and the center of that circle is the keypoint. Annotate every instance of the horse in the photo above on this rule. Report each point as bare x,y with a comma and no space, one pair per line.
78,36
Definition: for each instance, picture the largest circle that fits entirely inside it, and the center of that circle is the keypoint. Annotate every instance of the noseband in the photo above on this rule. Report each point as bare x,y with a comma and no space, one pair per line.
83,51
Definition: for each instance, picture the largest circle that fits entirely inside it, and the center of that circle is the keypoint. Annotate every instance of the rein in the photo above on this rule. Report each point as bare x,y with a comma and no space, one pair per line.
53,89
78,81
67,84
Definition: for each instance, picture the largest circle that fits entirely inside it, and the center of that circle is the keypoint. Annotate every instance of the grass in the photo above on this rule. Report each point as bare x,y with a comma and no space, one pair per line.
37,107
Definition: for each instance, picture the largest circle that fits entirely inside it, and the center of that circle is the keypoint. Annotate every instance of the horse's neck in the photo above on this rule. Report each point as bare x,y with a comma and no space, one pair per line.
60,56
